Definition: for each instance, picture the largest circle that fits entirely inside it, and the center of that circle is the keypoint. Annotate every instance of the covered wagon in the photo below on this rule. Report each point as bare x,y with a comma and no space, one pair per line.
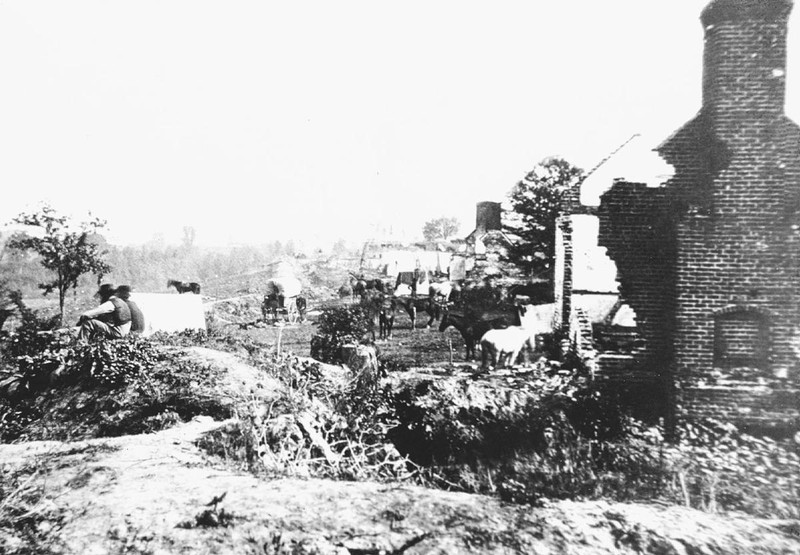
281,299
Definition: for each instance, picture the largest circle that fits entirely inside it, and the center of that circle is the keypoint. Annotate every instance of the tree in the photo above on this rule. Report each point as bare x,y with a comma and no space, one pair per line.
536,202
65,248
440,228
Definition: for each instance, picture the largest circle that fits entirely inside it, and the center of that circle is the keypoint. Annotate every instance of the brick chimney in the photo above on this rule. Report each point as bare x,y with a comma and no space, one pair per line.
711,261
745,57
739,144
487,217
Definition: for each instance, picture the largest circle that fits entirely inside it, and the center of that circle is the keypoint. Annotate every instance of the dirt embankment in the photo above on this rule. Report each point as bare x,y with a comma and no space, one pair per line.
155,493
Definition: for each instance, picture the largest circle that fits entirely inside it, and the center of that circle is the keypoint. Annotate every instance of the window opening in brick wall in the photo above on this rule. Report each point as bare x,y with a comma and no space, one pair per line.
741,341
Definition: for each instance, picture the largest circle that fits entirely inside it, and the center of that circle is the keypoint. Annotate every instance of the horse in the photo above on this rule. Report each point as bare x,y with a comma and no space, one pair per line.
503,346
471,329
387,306
537,320
182,287
270,306
375,285
380,310
387,318
359,288
412,305
302,306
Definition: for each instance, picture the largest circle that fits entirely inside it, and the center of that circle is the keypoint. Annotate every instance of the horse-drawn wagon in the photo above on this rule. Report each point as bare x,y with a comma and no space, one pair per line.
282,301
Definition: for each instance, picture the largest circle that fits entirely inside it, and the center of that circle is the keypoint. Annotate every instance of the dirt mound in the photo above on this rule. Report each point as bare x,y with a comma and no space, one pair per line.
155,493
238,380
160,493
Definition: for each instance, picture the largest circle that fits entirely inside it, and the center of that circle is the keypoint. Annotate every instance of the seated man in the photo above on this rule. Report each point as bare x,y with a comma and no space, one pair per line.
137,317
112,319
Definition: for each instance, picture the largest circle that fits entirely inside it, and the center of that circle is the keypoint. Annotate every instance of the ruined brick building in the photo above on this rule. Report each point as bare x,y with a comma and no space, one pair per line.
710,261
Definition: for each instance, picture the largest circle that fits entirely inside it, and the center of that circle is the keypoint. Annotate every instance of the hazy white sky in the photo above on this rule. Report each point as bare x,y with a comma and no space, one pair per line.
256,121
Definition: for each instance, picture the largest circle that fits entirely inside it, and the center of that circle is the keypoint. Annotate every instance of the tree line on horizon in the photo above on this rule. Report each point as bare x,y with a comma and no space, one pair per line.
65,255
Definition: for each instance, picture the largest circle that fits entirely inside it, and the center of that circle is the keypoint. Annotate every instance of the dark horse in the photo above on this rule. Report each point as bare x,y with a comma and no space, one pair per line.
359,289
183,287
413,305
471,329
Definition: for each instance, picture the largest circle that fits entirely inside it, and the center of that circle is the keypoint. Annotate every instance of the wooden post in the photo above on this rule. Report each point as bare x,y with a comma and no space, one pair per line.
280,331
450,346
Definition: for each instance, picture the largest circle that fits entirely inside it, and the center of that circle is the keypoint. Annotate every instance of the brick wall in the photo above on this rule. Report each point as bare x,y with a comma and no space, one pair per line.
636,228
710,262
562,279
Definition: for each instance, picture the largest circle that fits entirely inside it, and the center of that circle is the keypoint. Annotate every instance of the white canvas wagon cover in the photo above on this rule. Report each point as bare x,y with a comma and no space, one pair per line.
288,286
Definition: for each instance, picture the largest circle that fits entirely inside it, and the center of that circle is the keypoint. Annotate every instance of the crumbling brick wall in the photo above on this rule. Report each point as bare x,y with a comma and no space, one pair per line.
710,262
637,228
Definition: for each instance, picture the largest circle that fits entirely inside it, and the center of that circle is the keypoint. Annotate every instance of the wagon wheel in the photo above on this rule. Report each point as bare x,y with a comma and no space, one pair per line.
291,311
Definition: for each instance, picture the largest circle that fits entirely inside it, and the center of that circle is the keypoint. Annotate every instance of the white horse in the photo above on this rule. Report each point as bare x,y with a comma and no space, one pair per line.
503,346
537,320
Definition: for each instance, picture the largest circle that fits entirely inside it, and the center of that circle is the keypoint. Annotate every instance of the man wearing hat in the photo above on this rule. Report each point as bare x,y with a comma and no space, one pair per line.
112,319
137,317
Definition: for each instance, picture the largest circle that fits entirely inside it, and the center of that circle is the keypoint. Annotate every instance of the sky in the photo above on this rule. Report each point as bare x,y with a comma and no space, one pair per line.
316,120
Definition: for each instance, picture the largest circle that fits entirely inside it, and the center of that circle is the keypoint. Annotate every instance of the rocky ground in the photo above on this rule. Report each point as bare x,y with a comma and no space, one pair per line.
160,493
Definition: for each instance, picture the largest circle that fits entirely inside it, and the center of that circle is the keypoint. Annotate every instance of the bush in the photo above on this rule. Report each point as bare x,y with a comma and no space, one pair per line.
33,334
322,422
52,387
339,326
570,465
556,437
461,420
61,361
714,467
551,436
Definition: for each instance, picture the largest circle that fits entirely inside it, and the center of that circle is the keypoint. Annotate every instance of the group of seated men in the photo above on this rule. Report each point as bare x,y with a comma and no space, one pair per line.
115,317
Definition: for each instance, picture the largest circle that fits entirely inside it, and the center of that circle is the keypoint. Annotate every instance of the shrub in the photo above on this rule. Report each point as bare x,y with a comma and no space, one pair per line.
57,360
555,437
712,466
52,387
339,326
185,338
33,334
322,422
549,436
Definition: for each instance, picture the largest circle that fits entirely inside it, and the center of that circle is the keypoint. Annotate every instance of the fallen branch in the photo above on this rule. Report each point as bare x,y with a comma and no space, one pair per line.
305,422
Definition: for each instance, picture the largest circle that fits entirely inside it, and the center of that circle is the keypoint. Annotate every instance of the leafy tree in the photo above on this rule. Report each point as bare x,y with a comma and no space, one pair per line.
535,203
65,248
440,228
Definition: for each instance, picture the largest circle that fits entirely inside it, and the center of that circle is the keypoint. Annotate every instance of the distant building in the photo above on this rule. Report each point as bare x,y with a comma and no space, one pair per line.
389,258
485,248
